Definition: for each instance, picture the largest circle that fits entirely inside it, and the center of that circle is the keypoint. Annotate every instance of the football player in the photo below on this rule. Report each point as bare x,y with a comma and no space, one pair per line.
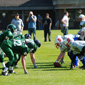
59,42
78,48
32,45
7,34
11,48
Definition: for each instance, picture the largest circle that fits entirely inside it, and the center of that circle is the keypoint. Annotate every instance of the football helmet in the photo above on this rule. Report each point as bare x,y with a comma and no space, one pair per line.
58,41
12,28
68,42
81,17
27,36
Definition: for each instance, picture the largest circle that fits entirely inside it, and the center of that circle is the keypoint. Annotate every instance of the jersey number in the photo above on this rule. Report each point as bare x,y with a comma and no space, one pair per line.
17,43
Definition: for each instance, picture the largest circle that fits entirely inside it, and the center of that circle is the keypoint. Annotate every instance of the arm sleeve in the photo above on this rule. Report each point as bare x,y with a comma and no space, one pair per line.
9,35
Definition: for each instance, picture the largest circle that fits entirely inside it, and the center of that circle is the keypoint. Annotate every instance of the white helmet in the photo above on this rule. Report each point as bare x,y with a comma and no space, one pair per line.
81,16
68,42
58,41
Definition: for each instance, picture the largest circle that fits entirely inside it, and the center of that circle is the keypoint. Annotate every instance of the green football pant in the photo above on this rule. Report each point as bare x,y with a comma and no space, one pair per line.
1,56
16,58
9,53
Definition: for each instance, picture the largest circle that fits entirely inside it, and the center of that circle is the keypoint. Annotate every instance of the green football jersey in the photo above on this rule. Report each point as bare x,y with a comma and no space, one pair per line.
31,45
17,46
5,35
20,36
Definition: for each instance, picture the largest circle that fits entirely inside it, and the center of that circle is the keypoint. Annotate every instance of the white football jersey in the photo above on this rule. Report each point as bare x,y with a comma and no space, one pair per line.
70,36
77,46
64,48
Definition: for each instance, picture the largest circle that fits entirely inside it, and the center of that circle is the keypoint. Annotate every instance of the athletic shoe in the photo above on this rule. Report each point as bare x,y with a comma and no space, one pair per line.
35,66
25,72
4,74
12,71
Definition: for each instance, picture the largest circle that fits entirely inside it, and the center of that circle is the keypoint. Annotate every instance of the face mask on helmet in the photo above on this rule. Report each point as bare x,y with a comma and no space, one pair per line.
58,41
57,45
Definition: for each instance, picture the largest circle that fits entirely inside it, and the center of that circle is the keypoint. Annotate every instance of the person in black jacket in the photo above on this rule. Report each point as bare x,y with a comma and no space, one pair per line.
47,27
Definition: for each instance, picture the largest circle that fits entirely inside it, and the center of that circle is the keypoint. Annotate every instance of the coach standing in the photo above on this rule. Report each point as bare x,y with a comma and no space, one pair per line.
47,27
18,23
65,21
31,19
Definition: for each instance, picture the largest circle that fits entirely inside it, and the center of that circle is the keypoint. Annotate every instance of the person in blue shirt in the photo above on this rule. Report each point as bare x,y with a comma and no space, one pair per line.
31,19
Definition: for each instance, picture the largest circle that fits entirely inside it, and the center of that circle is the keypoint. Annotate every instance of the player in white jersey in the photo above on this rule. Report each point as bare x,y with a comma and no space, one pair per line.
59,42
82,35
75,36
78,48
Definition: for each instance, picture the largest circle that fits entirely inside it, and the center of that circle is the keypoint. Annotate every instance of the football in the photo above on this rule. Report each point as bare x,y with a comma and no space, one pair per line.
56,64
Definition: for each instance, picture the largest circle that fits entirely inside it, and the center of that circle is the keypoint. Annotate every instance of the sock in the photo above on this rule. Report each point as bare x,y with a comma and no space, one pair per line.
5,69
3,64
76,62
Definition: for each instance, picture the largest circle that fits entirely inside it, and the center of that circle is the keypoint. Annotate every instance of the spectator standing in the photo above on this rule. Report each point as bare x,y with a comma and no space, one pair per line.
31,19
18,23
40,26
65,21
47,27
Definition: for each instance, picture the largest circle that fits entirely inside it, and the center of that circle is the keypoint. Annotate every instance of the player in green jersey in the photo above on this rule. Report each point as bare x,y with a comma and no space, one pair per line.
11,47
23,38
7,34
32,45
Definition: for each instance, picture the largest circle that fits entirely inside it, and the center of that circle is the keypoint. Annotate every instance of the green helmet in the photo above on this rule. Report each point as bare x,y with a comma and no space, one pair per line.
11,27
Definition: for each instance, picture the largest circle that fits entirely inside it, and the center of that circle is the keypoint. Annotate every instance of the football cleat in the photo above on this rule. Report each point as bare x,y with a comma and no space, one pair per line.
12,71
25,72
4,74
35,66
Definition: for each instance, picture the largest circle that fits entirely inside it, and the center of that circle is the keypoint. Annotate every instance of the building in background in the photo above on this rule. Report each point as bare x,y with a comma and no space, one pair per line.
55,8
72,6
8,8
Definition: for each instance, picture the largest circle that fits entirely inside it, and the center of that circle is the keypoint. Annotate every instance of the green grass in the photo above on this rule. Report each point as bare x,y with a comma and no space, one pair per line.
45,74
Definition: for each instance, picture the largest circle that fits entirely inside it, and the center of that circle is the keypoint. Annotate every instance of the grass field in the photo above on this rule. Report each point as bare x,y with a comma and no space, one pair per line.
45,74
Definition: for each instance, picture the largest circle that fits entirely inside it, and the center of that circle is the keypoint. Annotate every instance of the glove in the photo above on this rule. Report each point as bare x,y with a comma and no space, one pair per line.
25,72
